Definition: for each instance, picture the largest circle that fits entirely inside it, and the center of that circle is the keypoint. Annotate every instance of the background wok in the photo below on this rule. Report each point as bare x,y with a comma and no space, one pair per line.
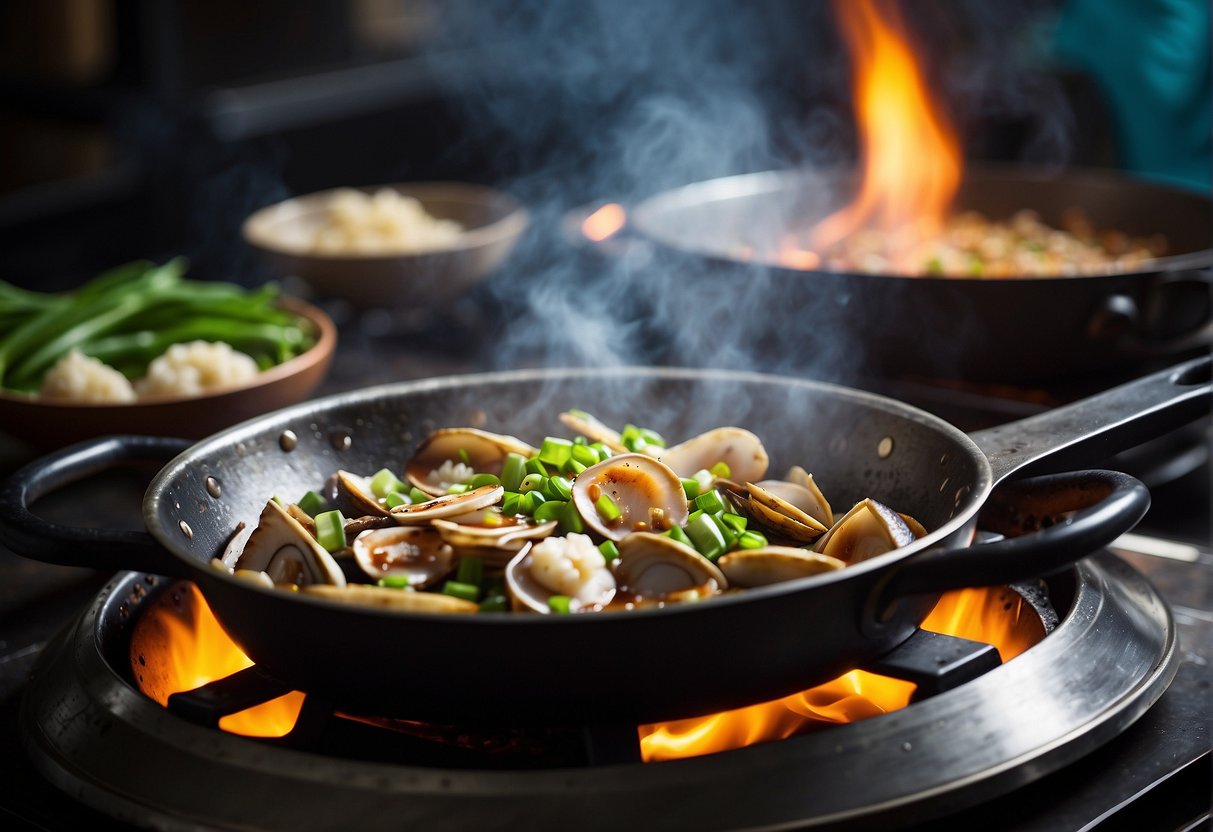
640,666
1012,329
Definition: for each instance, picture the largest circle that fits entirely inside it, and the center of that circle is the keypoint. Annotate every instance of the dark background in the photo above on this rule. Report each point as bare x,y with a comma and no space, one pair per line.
145,129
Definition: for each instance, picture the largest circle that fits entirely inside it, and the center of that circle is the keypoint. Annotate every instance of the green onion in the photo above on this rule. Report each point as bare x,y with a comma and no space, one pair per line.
607,509
559,604
312,503
555,451
573,467
570,520
609,550
711,502
395,498
529,502
691,487
586,455
721,470
602,450
494,603
384,481
734,521
535,466
471,570
458,488
468,592
394,581
636,439
481,480
512,471
330,530
676,533
550,510
706,536
751,540
726,531
509,503
464,458
532,482
558,488
418,496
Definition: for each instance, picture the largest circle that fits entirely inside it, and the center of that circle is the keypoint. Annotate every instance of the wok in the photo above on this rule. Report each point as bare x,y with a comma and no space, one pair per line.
978,329
643,665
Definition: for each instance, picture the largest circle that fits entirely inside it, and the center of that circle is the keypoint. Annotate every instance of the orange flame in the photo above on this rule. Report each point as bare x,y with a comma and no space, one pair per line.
910,160
181,647
605,222
992,615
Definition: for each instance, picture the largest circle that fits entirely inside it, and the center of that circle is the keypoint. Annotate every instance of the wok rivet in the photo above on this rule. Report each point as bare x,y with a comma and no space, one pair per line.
885,447
186,530
341,440
905,746
213,488
287,440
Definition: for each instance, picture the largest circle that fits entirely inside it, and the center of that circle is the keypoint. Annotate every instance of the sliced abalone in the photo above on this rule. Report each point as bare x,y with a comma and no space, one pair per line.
490,534
646,493
397,600
867,530
817,506
451,456
774,564
449,505
283,549
416,553
779,516
588,426
737,448
653,567
357,495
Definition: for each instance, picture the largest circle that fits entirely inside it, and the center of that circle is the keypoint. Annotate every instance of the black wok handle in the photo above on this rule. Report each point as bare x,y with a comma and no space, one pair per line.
32,537
1087,432
1050,522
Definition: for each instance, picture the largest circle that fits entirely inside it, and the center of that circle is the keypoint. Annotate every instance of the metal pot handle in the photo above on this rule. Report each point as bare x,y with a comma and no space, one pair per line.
32,537
1094,428
1049,523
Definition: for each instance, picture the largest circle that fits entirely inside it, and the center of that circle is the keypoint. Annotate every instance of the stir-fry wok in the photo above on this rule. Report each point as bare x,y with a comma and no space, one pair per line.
606,520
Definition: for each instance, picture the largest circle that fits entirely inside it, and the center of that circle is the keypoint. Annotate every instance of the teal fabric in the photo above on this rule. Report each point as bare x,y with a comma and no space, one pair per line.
1151,59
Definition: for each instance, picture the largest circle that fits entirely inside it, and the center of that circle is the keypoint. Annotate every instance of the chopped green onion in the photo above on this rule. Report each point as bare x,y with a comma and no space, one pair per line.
464,458
395,498
458,488
419,496
676,533
394,581
721,469
312,503
558,488
529,502
712,502
555,450
609,550
726,531
751,540
535,466
636,439
735,521
481,480
580,440
602,450
509,502
706,536
512,471
532,482
559,604
570,519
330,530
278,500
573,467
705,479
468,592
691,487
471,570
586,455
494,603
607,509
550,510
384,481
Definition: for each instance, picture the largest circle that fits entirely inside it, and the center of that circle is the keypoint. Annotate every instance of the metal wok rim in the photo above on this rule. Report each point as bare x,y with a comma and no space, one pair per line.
220,442
771,181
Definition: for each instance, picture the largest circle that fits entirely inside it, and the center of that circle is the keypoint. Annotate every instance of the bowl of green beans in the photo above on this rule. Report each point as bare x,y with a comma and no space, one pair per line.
142,349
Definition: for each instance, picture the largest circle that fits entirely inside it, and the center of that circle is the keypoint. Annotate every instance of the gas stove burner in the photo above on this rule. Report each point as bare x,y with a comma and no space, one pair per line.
92,734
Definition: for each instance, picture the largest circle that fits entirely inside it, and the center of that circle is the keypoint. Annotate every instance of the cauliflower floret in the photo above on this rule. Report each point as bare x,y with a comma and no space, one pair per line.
78,378
450,473
196,367
572,566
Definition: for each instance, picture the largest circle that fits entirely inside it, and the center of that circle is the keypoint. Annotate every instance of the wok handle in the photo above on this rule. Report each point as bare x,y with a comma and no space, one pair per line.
32,537
1049,523
1089,431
